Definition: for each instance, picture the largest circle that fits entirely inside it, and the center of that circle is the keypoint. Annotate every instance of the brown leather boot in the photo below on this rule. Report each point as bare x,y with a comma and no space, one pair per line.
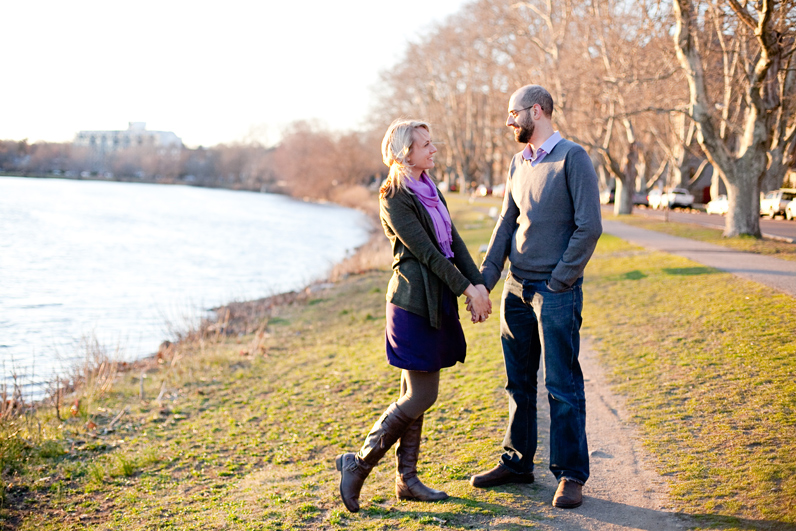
568,495
354,469
407,485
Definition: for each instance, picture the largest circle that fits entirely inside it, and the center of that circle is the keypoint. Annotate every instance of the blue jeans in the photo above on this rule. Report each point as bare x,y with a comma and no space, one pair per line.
539,324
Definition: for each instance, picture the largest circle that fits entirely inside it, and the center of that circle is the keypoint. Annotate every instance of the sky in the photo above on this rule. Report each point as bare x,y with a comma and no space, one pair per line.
211,72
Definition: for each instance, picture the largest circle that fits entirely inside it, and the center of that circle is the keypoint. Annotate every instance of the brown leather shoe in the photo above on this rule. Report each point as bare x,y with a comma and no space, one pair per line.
568,495
500,475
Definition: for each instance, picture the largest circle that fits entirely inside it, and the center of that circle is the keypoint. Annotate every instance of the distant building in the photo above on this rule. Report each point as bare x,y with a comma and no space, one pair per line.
136,135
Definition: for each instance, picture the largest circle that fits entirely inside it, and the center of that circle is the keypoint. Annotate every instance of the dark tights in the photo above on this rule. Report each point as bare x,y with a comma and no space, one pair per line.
418,392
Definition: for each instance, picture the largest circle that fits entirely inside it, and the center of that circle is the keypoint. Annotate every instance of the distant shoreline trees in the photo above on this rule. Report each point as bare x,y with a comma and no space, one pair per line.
309,162
238,166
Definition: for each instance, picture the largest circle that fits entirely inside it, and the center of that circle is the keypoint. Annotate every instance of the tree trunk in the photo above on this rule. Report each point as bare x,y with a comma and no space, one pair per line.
623,198
743,216
741,172
626,183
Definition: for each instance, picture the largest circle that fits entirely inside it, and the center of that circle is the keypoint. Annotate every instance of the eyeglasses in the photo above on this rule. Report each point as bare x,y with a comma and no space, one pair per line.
516,114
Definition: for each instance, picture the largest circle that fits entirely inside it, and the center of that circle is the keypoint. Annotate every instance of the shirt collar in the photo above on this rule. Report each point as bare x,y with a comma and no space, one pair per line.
546,147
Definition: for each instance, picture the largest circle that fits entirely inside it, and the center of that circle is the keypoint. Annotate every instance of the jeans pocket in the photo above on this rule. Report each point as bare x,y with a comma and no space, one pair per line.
550,290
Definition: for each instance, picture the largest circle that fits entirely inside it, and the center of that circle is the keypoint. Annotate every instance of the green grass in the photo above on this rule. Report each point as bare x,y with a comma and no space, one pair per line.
705,360
777,249
708,364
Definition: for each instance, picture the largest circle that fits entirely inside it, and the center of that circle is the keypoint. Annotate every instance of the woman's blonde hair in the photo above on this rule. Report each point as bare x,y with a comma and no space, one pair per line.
395,148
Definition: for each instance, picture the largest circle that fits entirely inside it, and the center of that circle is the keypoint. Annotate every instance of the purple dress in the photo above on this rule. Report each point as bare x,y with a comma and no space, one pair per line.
413,344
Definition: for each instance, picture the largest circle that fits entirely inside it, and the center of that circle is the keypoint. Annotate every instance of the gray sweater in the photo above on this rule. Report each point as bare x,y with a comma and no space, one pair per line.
550,221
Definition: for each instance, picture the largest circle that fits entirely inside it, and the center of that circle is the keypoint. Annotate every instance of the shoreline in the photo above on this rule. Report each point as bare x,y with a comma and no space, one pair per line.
241,318
143,180
228,319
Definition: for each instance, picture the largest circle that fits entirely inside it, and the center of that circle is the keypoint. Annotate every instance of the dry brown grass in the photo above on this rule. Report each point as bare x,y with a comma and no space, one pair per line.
357,197
12,400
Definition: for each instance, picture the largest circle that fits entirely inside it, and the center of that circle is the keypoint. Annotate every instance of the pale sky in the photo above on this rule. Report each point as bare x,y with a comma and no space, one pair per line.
211,72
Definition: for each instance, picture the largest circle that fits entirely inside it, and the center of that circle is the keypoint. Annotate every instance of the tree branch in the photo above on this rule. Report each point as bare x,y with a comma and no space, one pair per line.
699,171
743,14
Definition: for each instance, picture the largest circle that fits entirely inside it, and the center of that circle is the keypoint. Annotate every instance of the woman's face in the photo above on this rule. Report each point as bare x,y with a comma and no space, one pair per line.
421,155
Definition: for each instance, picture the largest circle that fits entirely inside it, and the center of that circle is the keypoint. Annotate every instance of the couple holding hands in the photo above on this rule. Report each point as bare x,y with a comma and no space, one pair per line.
547,229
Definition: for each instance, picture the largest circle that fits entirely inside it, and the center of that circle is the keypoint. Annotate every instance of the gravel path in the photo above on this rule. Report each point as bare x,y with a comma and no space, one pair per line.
623,492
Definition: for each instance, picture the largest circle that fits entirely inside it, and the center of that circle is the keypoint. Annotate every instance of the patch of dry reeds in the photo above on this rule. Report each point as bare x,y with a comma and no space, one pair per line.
13,401
95,375
375,254
357,197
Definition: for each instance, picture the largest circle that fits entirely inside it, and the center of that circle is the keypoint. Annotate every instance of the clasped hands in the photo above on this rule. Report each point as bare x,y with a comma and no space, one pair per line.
478,303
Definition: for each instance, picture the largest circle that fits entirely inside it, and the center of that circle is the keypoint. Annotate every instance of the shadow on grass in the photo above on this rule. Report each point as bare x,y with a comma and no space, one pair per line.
600,512
479,511
689,271
633,275
710,521
620,514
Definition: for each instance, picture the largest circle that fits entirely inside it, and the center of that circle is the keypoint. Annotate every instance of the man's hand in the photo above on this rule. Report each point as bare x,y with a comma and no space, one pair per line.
478,303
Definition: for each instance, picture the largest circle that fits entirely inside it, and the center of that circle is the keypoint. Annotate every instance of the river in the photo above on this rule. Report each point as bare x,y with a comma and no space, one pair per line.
125,263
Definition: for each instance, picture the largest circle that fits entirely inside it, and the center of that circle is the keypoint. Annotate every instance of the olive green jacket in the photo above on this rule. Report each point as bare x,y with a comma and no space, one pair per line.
420,270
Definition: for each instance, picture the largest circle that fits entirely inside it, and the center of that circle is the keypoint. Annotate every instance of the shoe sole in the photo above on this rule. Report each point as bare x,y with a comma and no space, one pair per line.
338,463
567,505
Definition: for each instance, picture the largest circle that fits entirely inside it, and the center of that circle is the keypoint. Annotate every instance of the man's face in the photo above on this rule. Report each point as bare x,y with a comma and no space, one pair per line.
520,120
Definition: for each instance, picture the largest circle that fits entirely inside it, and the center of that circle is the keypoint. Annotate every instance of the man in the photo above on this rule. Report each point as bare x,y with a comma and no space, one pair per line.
548,228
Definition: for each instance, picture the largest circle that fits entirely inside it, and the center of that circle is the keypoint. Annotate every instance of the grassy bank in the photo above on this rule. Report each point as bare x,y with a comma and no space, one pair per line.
777,249
707,363
239,431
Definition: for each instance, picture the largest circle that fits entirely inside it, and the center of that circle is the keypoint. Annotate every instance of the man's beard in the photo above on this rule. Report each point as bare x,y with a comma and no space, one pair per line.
524,133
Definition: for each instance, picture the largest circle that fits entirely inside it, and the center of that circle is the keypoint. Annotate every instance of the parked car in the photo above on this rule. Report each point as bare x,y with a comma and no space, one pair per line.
640,200
718,206
675,198
654,198
790,210
499,190
774,203
679,198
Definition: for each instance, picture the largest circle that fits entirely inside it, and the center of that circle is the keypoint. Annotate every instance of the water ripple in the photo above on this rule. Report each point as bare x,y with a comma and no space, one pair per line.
121,260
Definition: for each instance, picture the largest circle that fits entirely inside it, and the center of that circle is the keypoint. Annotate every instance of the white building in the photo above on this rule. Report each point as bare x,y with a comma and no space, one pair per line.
136,135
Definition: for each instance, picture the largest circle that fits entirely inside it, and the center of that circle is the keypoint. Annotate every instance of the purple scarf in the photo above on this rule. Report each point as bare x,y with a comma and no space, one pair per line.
426,192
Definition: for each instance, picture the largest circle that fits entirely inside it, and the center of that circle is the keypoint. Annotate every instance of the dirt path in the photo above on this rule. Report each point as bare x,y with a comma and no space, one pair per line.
623,492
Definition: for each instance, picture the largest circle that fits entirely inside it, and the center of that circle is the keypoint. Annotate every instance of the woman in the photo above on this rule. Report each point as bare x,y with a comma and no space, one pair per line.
431,267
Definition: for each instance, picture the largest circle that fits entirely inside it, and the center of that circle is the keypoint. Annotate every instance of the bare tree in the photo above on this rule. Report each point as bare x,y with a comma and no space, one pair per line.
753,83
456,78
316,163
627,41
603,71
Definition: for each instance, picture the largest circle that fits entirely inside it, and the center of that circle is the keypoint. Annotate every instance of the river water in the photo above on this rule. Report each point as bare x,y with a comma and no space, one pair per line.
120,261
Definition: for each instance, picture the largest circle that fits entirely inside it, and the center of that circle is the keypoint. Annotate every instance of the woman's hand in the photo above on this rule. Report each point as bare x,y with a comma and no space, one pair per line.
478,302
